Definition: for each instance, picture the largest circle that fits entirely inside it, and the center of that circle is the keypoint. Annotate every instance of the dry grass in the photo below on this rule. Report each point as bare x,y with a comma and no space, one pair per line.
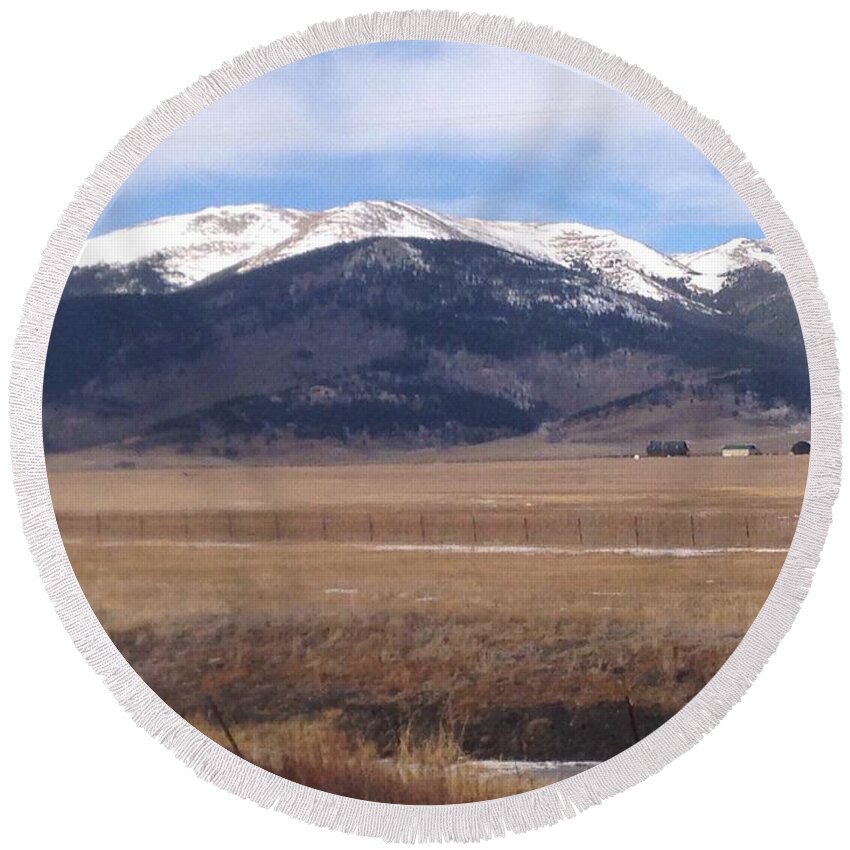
318,753
163,584
704,502
698,484
379,672
491,642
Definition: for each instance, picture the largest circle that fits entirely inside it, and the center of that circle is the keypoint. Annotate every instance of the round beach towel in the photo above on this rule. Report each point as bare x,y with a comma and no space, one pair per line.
426,410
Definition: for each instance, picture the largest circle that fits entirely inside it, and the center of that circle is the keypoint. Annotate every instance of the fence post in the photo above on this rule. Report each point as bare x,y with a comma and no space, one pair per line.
632,719
422,526
637,533
580,534
217,716
525,526
693,532
747,526
371,530
474,529
229,526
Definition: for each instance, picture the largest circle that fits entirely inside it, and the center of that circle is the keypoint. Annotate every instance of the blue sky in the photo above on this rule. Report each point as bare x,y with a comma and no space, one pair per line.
464,129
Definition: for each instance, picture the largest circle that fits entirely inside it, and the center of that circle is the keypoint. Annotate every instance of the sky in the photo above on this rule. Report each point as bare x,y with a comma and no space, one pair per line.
463,129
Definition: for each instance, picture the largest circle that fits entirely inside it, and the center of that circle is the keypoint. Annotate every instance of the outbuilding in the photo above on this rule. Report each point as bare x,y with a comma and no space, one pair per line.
668,448
739,450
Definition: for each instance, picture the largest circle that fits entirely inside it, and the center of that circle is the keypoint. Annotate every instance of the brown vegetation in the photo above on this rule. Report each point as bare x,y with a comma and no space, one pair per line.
319,754
699,484
384,672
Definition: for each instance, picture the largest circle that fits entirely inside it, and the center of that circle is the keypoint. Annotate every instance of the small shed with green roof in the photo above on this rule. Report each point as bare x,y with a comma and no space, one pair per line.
739,450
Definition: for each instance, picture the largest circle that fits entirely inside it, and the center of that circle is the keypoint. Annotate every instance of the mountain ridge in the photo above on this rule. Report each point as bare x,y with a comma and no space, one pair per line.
174,252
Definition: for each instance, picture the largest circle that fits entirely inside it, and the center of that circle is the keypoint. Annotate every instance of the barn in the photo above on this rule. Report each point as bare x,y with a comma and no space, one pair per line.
801,447
668,448
739,450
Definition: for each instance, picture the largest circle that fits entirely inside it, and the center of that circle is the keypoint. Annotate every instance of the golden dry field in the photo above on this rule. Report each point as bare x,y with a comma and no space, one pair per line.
393,631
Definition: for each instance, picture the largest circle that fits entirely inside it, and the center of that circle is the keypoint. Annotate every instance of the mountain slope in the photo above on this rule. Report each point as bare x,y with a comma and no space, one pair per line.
408,341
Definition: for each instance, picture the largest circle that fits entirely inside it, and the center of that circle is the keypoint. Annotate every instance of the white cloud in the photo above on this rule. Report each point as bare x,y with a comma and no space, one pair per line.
466,129
463,99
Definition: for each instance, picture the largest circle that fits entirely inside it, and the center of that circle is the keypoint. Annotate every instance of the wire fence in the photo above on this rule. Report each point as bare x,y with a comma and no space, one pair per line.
580,529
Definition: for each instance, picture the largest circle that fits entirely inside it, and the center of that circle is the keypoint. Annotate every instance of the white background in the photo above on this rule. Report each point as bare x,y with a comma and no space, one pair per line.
75,768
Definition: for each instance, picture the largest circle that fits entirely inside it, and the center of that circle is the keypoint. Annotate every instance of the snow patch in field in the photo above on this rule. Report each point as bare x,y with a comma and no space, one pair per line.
636,551
552,770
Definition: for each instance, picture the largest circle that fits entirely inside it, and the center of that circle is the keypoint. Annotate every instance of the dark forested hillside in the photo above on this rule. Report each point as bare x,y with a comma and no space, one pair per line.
139,278
405,340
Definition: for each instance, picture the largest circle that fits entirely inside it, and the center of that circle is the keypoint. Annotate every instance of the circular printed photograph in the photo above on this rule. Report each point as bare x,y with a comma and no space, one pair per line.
426,423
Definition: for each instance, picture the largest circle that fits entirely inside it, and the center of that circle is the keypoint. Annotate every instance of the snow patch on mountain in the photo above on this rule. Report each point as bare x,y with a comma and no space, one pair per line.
713,267
593,301
188,248
624,264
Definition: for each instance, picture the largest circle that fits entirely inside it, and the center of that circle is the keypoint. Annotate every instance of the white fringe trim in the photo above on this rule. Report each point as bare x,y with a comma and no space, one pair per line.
473,821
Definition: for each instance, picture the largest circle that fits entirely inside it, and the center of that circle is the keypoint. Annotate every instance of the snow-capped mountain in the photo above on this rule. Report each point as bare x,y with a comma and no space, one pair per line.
185,249
625,264
711,268
188,248
473,331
